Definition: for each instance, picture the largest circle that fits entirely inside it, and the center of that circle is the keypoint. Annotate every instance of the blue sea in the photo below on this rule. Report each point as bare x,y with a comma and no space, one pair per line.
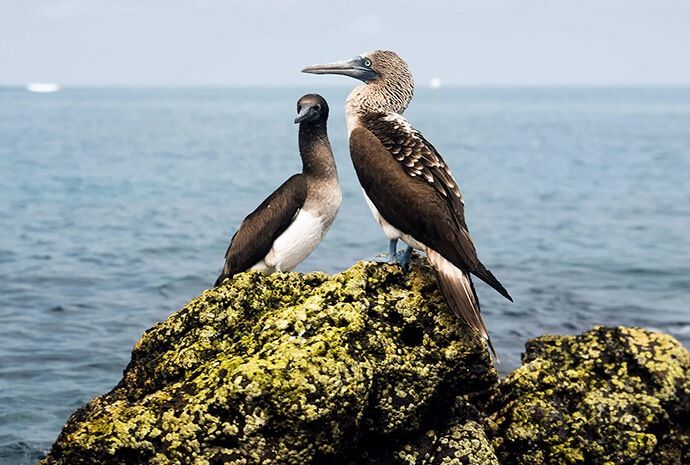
116,207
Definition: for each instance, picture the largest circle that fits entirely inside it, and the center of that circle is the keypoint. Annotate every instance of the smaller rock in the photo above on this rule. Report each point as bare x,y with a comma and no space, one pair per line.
608,396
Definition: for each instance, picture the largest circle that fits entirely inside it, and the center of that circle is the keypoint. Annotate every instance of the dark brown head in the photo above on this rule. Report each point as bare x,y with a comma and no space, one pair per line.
311,108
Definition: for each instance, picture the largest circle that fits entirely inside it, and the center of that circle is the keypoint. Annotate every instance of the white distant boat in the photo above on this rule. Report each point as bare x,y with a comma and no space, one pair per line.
42,87
435,83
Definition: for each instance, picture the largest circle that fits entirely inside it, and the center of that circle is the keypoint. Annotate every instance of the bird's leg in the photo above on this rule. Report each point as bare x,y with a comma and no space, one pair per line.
403,258
392,249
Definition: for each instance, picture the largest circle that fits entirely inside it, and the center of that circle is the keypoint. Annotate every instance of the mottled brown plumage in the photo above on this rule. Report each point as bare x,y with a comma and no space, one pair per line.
414,152
410,188
415,206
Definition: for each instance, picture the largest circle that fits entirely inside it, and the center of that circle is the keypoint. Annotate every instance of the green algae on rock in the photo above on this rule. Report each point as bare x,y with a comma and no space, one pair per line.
288,369
464,443
369,367
608,396
455,437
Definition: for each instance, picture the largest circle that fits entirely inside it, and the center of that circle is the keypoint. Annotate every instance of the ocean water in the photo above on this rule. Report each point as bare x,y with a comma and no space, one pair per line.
116,207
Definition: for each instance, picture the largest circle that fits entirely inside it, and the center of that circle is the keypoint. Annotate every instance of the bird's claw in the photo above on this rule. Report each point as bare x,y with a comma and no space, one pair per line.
403,258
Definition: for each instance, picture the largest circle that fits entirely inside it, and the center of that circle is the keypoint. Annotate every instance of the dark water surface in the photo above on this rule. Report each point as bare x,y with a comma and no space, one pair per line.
116,207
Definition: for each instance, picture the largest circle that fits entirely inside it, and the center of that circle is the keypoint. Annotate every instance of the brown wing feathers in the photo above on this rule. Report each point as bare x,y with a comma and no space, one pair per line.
431,215
255,236
417,156
420,160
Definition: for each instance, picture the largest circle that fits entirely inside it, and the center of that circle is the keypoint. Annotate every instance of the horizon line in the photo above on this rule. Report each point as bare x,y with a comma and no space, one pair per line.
339,86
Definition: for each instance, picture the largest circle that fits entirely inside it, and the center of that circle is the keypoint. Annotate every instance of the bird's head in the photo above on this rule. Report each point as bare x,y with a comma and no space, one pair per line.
370,67
310,108
385,74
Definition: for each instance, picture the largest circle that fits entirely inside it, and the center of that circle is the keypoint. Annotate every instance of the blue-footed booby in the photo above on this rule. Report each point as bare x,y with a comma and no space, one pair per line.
407,184
293,220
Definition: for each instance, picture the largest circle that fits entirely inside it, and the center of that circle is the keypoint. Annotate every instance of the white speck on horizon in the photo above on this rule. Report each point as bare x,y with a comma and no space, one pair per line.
42,87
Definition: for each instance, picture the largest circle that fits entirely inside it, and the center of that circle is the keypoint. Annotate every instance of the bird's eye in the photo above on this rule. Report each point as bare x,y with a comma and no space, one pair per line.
367,62
317,107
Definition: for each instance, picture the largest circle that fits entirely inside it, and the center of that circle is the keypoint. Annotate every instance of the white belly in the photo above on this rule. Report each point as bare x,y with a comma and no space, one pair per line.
295,244
391,231
263,267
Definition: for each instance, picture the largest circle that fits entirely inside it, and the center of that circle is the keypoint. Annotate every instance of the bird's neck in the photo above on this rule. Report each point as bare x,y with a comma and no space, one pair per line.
378,97
315,150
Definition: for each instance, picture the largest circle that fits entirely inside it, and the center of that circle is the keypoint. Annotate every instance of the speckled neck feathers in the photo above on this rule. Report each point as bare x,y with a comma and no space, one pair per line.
391,92
381,97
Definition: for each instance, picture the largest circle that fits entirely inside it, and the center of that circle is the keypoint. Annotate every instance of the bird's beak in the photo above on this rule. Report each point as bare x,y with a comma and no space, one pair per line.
306,113
354,68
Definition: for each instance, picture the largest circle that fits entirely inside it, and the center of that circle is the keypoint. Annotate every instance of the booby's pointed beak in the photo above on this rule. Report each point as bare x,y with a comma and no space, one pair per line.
306,113
356,68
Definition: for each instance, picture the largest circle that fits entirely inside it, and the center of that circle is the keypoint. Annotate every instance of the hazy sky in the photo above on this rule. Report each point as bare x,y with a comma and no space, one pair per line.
466,42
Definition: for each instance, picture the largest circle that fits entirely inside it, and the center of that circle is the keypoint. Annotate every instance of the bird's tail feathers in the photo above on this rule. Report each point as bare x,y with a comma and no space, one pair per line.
488,277
460,295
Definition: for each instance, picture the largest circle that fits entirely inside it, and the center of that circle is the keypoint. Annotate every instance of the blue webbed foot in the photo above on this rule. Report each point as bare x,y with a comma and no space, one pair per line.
403,258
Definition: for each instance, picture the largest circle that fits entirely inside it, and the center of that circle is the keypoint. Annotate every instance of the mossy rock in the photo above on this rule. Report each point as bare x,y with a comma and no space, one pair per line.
455,438
607,397
369,367
292,369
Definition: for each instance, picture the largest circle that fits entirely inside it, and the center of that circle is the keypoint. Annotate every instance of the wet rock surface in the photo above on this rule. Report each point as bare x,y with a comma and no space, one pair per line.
369,367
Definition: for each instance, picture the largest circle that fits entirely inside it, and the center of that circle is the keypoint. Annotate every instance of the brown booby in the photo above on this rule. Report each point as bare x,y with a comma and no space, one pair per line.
407,184
291,222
